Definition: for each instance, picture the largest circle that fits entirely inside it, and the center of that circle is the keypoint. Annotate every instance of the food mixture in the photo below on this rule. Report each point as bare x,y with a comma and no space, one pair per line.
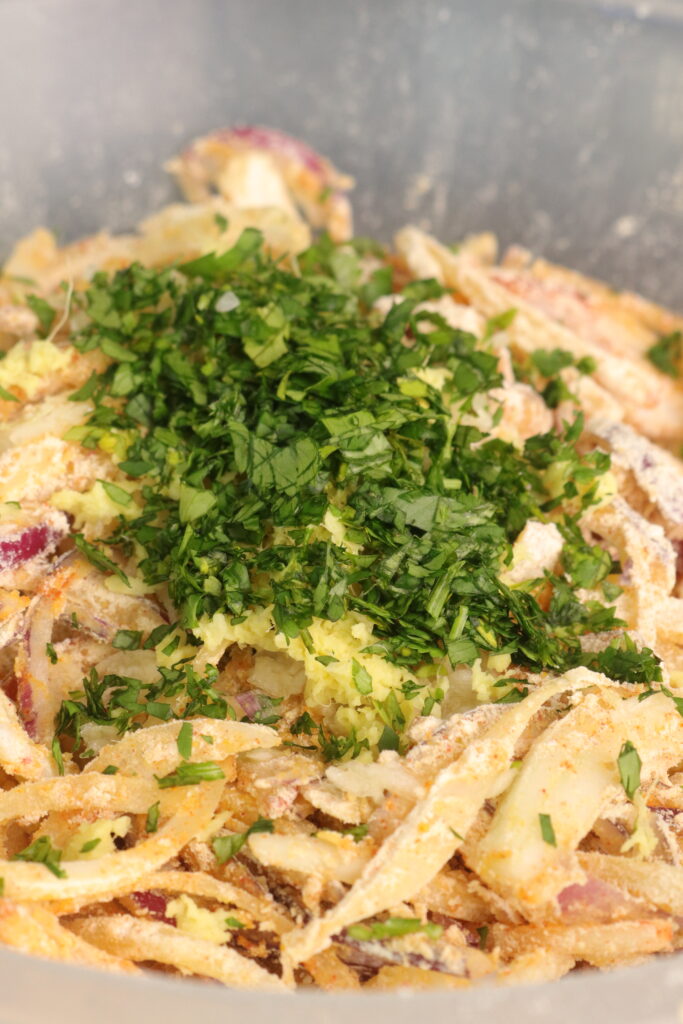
341,598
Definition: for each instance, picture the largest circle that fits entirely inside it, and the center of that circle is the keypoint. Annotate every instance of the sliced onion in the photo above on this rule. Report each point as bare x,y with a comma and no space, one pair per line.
249,702
274,141
20,547
374,954
596,900
36,701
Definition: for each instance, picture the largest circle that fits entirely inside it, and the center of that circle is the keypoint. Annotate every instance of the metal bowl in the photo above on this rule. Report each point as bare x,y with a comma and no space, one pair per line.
557,124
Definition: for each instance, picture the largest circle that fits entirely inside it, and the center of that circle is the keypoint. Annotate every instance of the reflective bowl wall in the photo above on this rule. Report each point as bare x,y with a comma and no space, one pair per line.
557,124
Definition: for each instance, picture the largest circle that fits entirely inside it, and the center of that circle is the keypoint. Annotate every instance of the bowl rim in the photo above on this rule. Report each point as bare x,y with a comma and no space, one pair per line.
32,988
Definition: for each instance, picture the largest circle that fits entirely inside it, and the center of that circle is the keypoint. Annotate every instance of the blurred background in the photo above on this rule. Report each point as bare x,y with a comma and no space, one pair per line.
556,123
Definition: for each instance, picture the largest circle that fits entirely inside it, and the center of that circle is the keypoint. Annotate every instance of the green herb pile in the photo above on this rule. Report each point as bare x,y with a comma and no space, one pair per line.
250,399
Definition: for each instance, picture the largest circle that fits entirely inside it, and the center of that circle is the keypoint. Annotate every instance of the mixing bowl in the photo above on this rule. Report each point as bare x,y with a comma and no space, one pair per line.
557,124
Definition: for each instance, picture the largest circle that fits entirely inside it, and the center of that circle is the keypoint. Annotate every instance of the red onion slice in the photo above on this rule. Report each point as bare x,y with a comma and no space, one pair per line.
25,706
595,901
256,137
250,702
314,182
153,904
37,700
18,548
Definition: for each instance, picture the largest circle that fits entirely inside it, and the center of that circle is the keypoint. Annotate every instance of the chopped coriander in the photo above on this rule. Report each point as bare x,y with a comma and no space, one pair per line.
253,403
194,504
547,830
499,323
629,765
226,847
158,634
136,467
666,353
550,362
88,389
678,701
586,365
111,769
184,741
232,922
127,639
207,739
389,740
514,695
57,755
43,852
303,724
431,700
51,652
171,646
117,494
611,590
621,659
90,845
191,774
556,391
43,310
335,748
118,700
393,928
7,396
98,558
362,679
152,820
357,832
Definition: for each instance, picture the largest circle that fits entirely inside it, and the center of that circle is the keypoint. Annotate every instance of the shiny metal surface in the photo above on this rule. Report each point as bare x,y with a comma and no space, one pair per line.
558,124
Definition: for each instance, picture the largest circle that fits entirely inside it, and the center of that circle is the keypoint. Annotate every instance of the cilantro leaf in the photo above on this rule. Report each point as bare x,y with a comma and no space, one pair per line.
292,453
550,362
547,830
191,774
152,819
98,558
184,740
666,353
226,847
43,310
362,679
41,851
393,928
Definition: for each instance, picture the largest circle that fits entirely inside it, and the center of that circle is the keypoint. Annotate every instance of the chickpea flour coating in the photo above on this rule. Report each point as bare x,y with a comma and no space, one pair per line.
341,632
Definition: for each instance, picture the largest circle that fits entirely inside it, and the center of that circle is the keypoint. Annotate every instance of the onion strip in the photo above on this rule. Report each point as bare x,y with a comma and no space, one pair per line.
95,878
121,935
